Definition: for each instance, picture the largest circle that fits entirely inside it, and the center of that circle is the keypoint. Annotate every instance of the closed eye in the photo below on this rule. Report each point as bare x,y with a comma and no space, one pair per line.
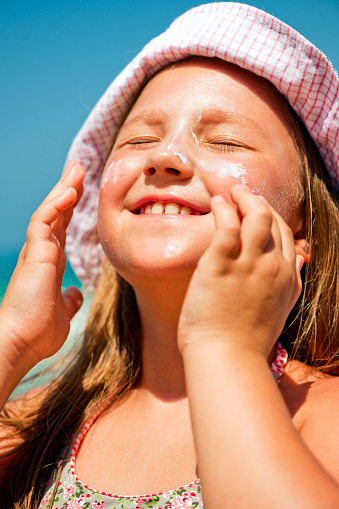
142,141
226,145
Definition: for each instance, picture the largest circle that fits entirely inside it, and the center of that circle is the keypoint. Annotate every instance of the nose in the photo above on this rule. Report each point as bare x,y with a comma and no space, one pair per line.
169,162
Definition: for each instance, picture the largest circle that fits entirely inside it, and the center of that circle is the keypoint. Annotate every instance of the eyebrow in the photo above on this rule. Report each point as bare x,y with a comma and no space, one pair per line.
150,117
216,116
210,116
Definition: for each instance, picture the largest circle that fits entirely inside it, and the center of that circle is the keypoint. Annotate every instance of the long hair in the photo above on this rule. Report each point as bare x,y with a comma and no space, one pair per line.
108,363
311,333
109,359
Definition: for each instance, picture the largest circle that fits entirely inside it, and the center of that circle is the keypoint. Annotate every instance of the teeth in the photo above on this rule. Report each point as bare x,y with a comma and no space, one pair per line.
168,208
185,210
172,208
157,208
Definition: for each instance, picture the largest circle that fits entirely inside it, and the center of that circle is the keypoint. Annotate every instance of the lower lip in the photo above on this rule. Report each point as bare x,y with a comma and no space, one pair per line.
171,216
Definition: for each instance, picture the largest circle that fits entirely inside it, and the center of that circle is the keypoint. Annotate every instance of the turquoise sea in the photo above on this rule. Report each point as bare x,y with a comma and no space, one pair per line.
7,265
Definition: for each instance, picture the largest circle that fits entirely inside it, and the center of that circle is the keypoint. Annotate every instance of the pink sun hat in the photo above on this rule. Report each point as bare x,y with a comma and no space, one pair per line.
233,32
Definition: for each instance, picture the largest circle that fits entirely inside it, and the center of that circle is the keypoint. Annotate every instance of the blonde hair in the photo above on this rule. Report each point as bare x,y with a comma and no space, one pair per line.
109,360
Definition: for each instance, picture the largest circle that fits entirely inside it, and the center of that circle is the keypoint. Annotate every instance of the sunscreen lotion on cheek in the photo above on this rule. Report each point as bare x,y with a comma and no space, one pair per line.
224,169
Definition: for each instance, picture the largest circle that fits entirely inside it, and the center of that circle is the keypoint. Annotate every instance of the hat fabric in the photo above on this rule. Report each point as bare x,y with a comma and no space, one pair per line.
233,32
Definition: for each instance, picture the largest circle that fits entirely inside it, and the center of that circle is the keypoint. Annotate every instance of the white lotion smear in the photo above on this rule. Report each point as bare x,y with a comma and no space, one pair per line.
112,173
175,151
225,168
195,138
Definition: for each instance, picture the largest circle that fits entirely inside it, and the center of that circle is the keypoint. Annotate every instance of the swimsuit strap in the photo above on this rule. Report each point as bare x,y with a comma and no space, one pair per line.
279,362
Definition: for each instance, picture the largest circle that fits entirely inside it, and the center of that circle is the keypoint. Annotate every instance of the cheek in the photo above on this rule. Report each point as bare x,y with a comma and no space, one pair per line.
279,185
282,189
118,177
225,173
221,175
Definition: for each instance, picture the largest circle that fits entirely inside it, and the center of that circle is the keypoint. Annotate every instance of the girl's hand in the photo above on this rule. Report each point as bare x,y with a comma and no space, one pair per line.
35,315
247,281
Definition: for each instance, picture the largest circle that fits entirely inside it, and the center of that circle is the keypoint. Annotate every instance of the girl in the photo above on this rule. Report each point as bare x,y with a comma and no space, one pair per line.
218,231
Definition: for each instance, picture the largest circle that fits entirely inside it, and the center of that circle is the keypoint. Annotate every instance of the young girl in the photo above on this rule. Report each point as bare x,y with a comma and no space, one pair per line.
208,228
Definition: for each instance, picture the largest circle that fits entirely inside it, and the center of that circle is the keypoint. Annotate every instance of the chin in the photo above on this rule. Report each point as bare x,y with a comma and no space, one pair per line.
151,268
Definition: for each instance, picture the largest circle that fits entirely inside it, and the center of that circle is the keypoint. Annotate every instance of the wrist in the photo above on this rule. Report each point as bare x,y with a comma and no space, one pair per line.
233,352
18,357
231,345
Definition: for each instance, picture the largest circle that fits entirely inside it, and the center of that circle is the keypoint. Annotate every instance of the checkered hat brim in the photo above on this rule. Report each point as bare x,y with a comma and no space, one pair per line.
233,32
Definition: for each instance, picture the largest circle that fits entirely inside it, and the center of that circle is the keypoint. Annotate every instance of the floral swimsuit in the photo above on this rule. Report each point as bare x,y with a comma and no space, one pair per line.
71,493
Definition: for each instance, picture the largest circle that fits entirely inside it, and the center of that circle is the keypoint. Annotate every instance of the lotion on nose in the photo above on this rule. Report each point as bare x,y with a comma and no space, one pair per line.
175,151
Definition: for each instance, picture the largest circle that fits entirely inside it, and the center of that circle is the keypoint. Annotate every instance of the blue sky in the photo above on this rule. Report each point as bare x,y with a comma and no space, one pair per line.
57,58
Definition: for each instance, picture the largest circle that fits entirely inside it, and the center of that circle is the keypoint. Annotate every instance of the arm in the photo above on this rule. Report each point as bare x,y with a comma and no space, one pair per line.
35,315
249,454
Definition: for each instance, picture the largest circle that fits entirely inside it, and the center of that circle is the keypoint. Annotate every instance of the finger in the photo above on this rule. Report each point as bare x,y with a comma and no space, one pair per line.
73,300
64,218
61,265
257,219
69,213
227,235
62,238
73,176
286,235
39,229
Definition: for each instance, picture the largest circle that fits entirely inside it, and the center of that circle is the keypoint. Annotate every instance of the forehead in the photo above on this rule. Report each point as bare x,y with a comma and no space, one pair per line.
210,82
209,85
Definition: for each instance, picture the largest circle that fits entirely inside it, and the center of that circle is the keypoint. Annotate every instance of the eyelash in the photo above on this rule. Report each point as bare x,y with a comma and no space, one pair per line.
224,146
141,141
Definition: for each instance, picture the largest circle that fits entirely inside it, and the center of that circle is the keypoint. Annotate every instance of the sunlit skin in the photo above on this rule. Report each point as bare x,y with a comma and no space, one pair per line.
205,402
196,130
191,126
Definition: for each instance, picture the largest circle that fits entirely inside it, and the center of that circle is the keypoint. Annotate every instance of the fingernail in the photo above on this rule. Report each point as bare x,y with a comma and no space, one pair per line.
69,168
66,191
242,187
218,198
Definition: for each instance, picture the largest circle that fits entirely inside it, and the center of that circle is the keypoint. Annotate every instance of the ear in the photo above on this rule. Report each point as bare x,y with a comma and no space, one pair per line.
302,248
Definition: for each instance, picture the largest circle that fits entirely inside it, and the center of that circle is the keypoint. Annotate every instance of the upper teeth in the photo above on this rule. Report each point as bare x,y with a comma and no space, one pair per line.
166,208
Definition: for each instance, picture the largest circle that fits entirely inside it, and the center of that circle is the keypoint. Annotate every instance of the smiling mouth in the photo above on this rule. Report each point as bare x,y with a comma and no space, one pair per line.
167,208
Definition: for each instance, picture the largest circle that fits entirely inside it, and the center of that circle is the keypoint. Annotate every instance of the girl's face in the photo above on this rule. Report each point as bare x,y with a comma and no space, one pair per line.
198,128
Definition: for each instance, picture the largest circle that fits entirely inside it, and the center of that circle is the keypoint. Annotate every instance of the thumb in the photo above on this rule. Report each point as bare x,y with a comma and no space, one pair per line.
73,299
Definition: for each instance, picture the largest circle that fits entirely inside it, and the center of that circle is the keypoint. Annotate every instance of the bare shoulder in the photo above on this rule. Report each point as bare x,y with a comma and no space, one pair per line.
313,400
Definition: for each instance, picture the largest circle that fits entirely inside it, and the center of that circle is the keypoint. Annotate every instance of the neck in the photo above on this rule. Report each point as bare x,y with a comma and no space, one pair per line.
162,364
159,307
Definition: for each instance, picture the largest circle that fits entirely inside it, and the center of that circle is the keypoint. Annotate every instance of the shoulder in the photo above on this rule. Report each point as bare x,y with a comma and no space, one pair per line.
308,393
313,400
